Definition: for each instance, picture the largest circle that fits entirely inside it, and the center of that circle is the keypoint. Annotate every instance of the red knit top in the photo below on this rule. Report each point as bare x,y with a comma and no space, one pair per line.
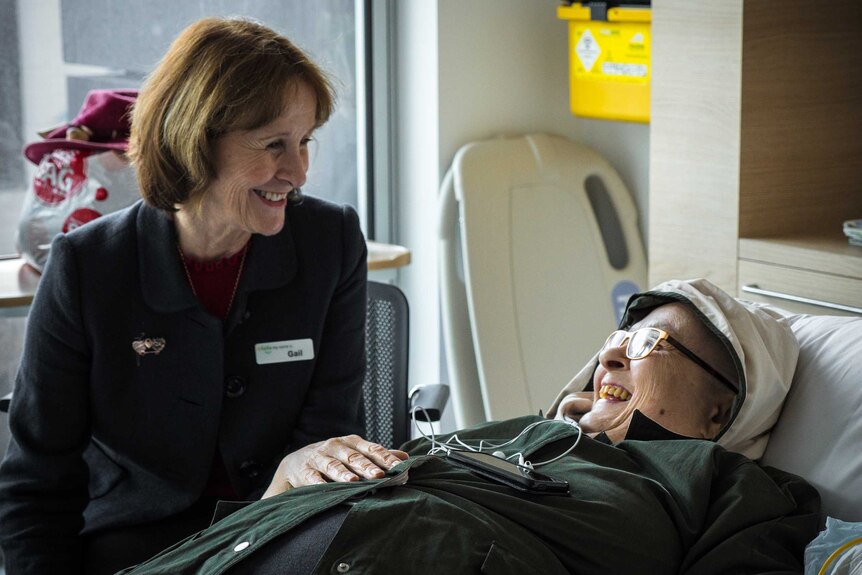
214,283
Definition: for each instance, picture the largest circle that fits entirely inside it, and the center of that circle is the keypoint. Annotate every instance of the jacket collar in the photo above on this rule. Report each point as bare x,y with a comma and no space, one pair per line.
270,263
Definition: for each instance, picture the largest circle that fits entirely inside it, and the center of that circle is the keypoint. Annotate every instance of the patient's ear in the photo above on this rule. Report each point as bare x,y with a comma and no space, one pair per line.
719,415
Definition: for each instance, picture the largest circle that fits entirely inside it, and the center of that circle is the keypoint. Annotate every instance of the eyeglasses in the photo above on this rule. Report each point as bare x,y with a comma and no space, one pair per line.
643,341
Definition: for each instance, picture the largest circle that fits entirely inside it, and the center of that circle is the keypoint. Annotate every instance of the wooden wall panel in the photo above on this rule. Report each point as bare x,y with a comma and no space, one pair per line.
695,140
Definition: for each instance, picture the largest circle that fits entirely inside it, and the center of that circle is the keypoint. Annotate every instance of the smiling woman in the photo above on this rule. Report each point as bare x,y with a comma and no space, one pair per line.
257,170
161,398
225,170
745,364
642,370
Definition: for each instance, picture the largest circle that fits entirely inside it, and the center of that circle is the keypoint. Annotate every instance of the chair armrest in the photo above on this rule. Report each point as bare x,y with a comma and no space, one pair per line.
4,402
427,401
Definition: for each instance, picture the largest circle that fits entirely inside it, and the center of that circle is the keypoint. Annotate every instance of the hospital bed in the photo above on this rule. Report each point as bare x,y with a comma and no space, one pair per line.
528,258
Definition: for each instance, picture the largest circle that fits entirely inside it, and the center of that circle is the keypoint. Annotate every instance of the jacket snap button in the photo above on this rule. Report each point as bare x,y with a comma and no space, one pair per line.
343,568
250,469
234,386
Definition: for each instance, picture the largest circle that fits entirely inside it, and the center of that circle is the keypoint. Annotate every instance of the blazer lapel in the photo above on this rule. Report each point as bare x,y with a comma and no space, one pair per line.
271,261
164,283
270,264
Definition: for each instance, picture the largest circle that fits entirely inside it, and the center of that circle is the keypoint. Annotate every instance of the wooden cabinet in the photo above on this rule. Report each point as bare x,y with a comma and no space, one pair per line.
756,146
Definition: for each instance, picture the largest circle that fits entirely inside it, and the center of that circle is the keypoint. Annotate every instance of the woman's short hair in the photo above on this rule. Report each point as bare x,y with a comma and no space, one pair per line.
219,75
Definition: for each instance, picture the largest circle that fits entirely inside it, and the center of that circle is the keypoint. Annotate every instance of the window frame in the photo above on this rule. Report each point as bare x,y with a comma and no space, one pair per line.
375,73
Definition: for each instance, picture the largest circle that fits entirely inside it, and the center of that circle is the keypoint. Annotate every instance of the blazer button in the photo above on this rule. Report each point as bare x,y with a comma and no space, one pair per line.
234,386
250,469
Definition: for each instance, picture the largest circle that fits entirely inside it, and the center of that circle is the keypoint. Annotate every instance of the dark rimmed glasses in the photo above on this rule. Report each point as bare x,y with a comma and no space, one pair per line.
643,341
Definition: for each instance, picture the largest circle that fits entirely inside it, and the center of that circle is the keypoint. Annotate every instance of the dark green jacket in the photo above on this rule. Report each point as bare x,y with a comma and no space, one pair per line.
648,507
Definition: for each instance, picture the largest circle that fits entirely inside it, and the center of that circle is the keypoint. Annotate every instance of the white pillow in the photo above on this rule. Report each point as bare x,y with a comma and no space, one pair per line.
819,432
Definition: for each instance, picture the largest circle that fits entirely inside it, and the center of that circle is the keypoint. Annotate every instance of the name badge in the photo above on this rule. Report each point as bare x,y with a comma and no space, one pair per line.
284,351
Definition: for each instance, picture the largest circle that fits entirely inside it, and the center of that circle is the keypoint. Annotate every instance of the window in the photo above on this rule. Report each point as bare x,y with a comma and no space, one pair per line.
53,51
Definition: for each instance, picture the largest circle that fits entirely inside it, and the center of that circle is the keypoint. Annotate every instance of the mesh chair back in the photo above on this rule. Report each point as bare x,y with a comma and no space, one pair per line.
385,387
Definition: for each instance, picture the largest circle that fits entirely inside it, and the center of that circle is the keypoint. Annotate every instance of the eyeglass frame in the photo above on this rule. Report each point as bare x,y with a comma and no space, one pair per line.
665,336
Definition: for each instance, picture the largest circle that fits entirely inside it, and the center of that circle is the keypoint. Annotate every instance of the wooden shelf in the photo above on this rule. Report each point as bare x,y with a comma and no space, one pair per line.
829,254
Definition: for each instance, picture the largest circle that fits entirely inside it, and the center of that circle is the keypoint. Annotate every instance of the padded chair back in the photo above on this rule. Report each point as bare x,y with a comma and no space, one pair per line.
386,345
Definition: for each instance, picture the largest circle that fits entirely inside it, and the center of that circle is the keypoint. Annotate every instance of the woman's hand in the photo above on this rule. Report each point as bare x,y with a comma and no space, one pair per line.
575,405
348,458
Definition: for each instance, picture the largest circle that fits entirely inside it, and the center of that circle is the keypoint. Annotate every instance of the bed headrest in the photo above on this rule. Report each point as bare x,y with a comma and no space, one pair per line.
819,431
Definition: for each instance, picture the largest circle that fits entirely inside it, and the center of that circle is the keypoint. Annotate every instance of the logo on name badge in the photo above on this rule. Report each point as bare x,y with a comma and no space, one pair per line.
284,351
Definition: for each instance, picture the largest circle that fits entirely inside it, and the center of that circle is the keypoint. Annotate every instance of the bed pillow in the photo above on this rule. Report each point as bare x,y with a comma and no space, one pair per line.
819,432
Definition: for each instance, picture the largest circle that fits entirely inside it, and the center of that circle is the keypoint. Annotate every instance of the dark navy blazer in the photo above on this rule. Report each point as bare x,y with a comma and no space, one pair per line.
103,436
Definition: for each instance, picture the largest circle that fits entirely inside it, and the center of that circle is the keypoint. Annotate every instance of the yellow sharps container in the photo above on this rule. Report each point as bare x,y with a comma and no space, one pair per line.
609,60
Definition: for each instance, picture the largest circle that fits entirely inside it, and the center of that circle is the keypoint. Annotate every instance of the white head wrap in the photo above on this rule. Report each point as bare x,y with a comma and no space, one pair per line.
760,342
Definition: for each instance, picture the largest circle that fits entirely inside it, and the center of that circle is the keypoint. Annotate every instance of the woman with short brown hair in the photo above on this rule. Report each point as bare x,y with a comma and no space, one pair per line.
178,352
197,94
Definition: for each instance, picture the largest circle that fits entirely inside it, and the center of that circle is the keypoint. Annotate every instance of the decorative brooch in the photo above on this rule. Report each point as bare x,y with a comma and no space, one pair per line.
147,346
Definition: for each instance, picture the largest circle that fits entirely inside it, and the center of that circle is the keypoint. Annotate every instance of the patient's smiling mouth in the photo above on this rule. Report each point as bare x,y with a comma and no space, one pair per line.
613,392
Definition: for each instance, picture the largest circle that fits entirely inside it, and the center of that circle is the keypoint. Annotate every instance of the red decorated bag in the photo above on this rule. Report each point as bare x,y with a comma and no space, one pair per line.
82,173
71,188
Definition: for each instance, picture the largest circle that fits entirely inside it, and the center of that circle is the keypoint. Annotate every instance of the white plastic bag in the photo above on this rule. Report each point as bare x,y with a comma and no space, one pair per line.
69,189
837,550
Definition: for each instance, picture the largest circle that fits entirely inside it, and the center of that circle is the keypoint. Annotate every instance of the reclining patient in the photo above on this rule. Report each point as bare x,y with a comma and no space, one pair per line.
657,455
